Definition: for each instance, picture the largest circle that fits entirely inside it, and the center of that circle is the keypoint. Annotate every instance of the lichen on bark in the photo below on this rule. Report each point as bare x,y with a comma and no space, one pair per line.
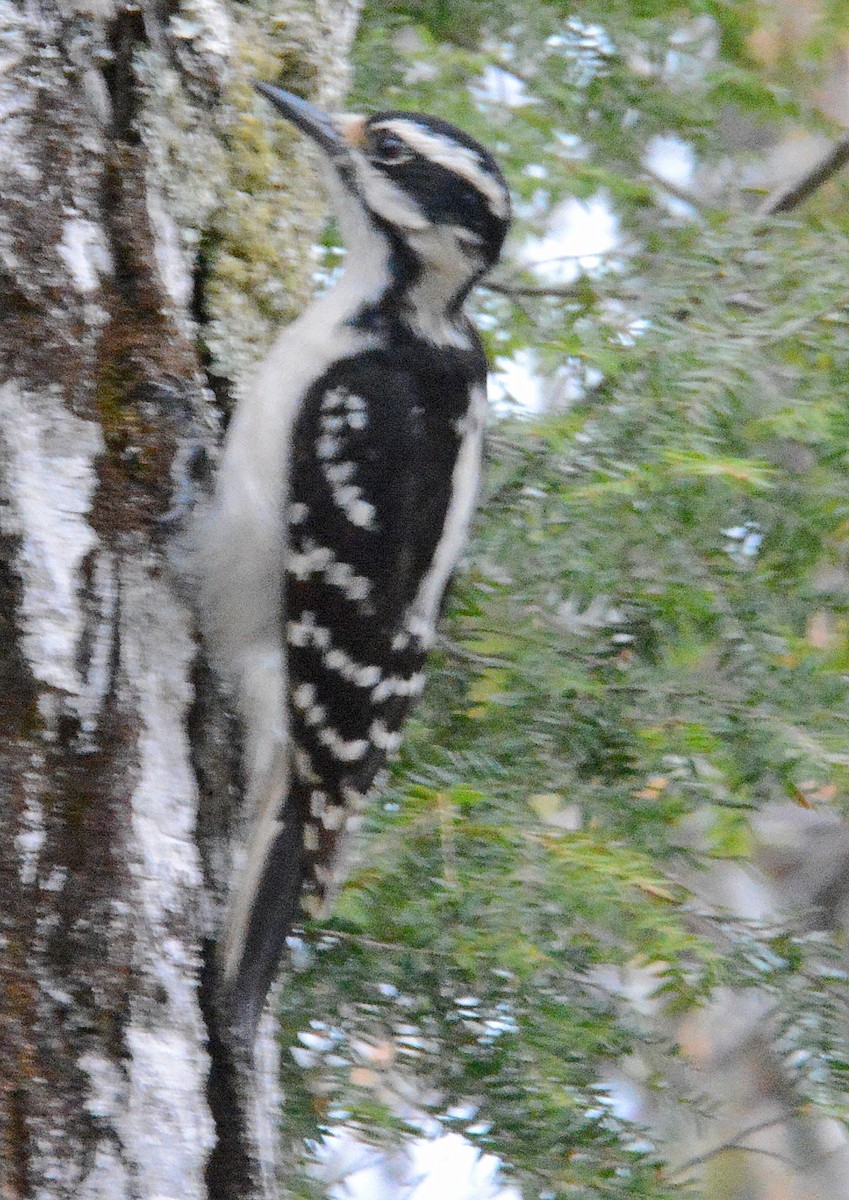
228,171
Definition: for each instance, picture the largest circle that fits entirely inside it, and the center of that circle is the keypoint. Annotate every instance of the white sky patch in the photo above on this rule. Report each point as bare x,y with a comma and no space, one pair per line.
457,1171
535,208
442,1168
674,160
518,387
580,234
516,383
623,1097
499,87
580,238
623,319
571,145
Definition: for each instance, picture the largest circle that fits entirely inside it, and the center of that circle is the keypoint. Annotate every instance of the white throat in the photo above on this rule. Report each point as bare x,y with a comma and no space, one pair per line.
431,303
428,306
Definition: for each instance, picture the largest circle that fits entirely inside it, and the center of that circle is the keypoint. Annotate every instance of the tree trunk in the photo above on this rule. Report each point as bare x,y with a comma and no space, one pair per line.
148,244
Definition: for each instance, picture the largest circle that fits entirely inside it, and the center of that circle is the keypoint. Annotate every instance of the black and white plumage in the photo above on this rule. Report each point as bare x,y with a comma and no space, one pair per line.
346,488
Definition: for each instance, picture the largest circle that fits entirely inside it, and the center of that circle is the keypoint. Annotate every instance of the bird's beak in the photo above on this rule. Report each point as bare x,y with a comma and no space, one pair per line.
335,135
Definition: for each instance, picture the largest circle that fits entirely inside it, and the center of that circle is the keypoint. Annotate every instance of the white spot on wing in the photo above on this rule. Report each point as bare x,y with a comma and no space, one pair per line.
383,738
333,816
320,560
303,696
307,633
334,399
347,496
353,798
343,750
327,446
303,766
398,685
310,562
340,472
361,513
315,715
355,587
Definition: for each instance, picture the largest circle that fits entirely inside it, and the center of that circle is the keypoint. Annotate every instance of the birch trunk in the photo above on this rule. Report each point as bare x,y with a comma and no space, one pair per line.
149,242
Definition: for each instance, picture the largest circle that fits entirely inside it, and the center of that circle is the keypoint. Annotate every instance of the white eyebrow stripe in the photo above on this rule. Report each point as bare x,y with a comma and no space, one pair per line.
462,160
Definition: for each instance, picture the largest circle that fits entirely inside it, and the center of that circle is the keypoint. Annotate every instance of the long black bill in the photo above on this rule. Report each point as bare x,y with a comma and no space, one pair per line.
311,120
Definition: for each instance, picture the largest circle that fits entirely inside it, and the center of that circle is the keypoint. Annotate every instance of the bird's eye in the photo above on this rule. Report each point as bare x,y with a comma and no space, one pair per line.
390,149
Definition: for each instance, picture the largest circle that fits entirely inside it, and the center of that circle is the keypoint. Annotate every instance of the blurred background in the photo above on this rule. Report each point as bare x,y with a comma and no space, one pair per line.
594,944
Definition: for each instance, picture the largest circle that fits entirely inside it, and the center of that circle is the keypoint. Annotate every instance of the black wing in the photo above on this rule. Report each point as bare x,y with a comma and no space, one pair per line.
371,475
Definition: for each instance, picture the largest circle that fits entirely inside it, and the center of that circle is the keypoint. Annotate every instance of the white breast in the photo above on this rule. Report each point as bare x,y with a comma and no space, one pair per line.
242,536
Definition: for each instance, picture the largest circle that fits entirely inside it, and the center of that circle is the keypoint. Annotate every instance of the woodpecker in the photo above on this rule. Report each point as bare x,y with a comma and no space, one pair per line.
347,484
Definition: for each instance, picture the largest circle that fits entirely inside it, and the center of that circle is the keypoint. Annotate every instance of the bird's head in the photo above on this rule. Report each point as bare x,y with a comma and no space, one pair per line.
431,191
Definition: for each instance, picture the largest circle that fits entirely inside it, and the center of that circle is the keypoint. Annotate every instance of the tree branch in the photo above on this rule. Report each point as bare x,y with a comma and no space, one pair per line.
734,1143
564,291
785,199
569,291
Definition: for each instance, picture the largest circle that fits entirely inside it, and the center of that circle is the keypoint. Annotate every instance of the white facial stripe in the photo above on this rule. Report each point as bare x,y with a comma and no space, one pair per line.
426,302
386,199
467,235
462,160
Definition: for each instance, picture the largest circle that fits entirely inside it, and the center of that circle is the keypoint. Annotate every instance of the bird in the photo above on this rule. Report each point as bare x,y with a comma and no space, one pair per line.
346,486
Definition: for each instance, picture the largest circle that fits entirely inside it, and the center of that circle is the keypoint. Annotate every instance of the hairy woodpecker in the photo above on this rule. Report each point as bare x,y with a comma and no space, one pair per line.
347,483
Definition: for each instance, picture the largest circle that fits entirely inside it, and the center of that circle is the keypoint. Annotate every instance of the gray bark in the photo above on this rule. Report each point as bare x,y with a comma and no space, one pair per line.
148,244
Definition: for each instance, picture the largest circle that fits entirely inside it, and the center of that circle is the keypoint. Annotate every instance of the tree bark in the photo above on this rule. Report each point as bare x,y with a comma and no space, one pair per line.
149,242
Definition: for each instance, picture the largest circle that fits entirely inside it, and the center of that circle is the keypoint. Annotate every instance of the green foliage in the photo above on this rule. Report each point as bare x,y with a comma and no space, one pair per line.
650,640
